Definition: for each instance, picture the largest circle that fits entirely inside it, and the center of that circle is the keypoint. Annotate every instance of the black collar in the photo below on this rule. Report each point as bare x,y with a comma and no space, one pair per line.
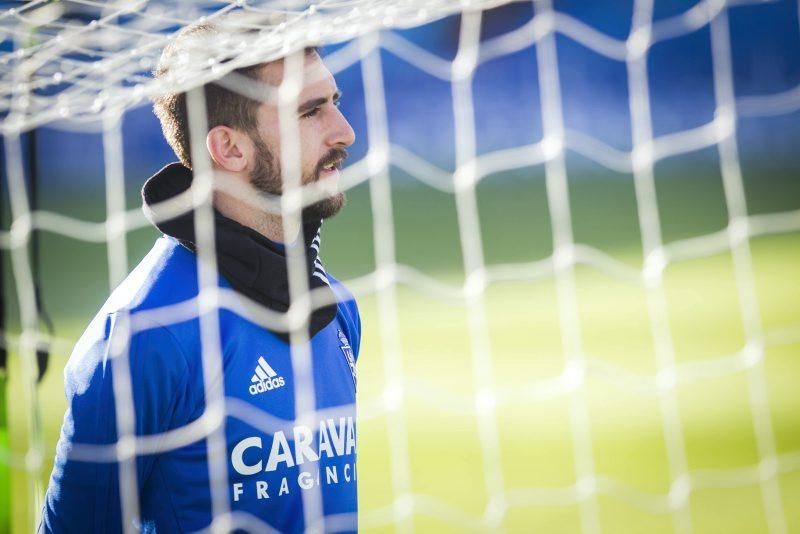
253,265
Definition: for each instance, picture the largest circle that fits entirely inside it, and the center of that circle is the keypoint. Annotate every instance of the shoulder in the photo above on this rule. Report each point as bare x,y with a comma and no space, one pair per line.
347,312
345,300
155,355
166,275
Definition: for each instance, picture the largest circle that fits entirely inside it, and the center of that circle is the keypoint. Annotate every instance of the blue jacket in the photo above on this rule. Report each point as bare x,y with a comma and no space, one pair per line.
269,468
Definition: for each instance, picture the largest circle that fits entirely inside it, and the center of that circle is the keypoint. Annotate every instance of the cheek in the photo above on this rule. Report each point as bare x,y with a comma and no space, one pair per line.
309,148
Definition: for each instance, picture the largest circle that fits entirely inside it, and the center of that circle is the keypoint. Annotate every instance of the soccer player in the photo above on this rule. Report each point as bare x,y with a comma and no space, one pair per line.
268,472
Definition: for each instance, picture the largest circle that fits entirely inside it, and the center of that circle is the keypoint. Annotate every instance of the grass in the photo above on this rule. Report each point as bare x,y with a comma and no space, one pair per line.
536,442
537,446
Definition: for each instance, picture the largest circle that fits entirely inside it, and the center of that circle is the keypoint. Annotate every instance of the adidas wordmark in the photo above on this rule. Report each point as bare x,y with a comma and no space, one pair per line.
265,378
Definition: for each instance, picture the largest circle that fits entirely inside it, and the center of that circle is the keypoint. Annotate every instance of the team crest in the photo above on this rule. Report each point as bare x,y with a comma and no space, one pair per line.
347,350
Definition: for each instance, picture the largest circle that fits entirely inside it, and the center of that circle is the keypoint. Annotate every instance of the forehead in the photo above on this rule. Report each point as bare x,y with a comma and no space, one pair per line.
316,76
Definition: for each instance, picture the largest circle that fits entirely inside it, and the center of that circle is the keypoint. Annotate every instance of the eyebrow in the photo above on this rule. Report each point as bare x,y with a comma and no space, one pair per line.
308,105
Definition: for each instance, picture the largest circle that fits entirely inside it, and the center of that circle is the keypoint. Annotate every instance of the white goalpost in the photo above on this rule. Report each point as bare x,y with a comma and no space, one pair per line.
82,65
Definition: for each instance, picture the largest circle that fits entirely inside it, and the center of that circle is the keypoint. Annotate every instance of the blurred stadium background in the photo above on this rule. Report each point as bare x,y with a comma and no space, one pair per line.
731,490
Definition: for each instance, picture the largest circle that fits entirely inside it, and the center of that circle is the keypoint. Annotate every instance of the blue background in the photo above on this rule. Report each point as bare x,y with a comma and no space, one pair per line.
766,58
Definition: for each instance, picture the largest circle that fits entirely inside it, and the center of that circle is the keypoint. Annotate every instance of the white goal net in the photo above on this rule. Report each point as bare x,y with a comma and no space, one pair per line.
492,388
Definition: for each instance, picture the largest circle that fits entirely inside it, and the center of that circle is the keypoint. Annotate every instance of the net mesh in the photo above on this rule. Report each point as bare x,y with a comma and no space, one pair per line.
79,65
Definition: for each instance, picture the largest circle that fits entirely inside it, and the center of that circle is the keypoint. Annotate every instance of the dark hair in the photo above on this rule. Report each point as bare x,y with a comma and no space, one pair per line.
223,106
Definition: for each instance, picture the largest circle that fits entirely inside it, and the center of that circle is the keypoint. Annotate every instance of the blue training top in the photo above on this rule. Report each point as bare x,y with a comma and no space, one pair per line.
268,474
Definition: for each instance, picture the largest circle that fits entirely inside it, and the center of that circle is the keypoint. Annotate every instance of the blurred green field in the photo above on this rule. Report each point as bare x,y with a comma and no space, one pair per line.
537,446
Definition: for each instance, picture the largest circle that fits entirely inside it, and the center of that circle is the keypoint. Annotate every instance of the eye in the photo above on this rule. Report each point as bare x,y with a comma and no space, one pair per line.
310,113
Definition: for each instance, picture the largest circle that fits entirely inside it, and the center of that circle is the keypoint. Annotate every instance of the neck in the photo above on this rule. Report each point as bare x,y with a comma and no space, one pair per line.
267,224
237,200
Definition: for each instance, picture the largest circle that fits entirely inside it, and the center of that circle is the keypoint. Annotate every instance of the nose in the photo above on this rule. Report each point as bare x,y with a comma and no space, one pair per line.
341,133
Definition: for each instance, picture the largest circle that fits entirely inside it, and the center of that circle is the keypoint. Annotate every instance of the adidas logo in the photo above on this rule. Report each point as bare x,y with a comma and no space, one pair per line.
265,378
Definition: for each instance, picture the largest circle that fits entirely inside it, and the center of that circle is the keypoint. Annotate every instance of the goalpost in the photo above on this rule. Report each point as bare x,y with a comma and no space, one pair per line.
82,65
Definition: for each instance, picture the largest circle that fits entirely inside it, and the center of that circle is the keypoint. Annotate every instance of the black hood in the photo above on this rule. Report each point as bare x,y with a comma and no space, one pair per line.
253,265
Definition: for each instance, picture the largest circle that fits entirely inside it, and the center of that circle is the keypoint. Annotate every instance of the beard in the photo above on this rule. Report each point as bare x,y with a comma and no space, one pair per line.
266,178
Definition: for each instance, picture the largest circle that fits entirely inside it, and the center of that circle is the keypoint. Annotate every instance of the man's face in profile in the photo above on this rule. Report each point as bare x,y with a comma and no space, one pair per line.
324,136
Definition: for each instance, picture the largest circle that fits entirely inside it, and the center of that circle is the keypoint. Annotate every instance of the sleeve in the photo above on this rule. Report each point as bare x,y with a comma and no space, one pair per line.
84,495
357,336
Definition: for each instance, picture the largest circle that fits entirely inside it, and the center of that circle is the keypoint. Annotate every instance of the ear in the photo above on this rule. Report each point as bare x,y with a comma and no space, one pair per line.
228,148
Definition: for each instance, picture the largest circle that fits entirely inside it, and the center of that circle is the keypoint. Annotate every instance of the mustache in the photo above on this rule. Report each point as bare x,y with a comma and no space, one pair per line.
334,156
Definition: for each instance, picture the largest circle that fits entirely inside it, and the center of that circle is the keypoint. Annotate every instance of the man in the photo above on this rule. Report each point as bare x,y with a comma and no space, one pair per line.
281,476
